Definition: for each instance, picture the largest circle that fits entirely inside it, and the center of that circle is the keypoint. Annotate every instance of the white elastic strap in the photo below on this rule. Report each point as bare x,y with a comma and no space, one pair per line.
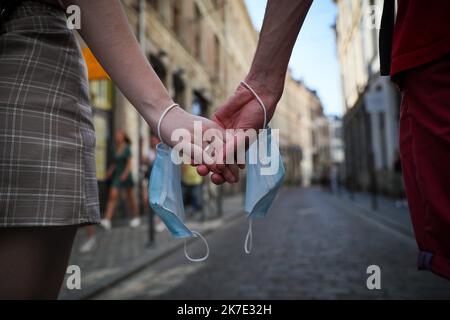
259,100
249,238
207,149
162,117
197,234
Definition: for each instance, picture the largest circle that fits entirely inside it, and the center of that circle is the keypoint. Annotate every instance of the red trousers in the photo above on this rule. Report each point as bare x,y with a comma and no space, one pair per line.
425,156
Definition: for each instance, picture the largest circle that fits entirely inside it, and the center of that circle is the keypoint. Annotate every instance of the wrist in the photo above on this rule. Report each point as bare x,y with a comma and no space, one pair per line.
269,89
153,110
267,79
172,117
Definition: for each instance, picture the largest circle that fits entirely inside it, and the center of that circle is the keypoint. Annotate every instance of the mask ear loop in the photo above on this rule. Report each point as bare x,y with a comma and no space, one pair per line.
249,237
197,234
162,117
261,103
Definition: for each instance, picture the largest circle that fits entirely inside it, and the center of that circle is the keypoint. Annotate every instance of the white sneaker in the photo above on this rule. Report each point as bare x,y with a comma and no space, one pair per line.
135,222
106,224
88,245
159,227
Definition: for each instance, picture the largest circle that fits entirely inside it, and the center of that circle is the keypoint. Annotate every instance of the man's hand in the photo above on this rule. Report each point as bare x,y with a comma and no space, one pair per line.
241,111
282,23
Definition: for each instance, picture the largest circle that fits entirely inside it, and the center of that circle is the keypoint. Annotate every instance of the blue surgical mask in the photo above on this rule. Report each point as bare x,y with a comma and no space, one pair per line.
265,173
166,197
264,178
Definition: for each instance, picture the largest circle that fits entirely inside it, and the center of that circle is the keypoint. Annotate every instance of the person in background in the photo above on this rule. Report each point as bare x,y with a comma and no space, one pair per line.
192,186
91,242
147,162
415,53
121,179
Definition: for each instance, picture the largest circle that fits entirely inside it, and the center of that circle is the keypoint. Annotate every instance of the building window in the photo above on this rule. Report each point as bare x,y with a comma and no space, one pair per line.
217,56
216,3
154,4
176,17
134,4
196,108
101,92
383,146
199,105
159,68
197,33
179,89
338,133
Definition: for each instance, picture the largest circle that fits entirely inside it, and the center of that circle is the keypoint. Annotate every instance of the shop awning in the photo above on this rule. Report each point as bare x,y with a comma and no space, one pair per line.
95,70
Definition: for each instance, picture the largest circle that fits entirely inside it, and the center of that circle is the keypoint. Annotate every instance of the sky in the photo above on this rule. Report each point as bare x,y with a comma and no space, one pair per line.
314,59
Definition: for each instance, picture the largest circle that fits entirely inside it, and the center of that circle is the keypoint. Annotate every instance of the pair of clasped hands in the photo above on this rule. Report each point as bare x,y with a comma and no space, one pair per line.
242,111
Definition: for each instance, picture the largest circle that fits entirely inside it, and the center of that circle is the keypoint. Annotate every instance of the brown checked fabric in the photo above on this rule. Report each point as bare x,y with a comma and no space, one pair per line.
47,140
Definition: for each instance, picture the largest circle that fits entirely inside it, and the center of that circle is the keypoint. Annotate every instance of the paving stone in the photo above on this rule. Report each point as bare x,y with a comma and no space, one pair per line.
322,254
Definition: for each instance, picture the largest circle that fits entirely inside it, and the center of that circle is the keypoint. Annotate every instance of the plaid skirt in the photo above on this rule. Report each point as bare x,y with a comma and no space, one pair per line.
47,139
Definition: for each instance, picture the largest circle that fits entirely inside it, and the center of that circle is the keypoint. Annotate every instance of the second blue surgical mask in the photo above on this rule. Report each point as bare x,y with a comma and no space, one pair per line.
265,173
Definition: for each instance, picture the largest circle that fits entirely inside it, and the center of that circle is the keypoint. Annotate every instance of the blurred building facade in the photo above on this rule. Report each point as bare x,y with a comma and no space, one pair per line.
201,50
337,155
321,152
371,102
298,116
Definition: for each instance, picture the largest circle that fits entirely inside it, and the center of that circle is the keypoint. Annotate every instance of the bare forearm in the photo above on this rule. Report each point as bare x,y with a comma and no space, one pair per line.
282,23
107,32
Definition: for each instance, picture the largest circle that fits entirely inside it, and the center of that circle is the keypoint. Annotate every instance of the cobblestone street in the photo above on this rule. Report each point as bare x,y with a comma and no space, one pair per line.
124,250
312,245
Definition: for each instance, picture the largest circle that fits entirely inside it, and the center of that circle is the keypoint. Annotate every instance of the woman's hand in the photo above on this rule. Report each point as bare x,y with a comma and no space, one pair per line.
178,122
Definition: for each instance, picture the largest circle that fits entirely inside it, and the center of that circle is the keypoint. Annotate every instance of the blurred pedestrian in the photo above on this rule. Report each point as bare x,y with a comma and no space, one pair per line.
192,184
121,179
415,52
147,160
91,240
